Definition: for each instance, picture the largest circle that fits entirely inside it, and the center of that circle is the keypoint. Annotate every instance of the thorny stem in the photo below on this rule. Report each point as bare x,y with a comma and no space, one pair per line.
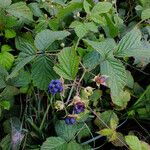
64,105
68,99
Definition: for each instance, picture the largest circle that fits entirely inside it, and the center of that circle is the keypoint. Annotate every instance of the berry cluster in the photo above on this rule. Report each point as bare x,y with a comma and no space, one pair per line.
79,107
55,86
70,120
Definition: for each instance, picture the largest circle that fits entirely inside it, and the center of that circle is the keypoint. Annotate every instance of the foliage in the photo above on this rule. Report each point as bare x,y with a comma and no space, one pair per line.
99,54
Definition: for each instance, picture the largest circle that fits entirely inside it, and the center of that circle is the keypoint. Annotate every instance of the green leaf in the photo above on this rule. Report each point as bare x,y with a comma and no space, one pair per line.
5,104
145,146
90,26
5,4
2,83
143,99
22,80
42,25
42,72
74,146
111,29
20,10
68,64
122,99
130,45
63,13
86,6
106,132
46,37
91,60
113,123
27,54
26,46
96,95
116,73
81,31
6,59
133,142
145,3
10,33
101,7
6,48
130,80
20,65
3,72
65,131
105,119
6,143
36,9
145,14
54,143
104,47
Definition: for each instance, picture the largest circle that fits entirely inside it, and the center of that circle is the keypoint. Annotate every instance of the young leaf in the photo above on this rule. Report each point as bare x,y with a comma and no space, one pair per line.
133,142
20,10
46,37
116,73
6,59
5,104
68,64
42,72
122,99
54,143
106,132
111,27
106,118
101,7
10,33
81,30
86,6
145,14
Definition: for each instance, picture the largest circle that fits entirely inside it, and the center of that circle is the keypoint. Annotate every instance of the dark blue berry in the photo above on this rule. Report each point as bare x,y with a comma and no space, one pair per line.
55,86
79,107
70,120
67,120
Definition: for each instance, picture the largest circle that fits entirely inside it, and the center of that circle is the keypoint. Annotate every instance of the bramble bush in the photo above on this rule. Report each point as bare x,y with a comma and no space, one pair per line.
74,75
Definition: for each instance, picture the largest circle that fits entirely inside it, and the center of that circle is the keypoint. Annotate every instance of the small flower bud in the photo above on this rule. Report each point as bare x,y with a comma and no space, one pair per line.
62,44
76,99
78,14
74,16
88,91
59,105
100,80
